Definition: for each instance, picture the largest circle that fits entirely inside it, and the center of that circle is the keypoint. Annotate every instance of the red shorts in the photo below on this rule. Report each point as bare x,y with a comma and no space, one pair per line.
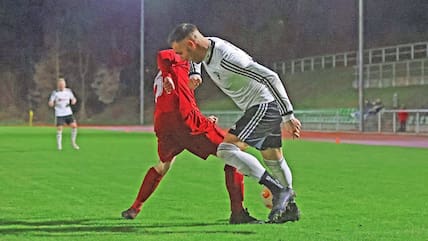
202,145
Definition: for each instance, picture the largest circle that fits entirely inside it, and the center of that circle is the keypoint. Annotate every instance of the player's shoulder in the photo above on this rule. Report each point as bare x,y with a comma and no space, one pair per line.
229,52
221,44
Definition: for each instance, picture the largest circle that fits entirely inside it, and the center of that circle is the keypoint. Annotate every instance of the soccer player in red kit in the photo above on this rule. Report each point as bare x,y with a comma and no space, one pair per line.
179,125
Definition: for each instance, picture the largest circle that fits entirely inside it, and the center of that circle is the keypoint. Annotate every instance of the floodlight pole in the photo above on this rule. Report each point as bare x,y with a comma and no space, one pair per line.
361,63
142,64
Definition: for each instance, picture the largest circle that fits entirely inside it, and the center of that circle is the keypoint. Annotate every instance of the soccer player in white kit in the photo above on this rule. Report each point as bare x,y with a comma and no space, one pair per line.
259,92
60,99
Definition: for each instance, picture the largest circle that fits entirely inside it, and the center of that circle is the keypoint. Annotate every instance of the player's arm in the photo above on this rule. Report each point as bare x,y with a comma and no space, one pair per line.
73,99
275,86
51,101
165,60
195,77
243,64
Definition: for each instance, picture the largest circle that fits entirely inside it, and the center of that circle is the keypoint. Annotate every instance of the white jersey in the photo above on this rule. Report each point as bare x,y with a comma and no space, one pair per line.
62,101
244,80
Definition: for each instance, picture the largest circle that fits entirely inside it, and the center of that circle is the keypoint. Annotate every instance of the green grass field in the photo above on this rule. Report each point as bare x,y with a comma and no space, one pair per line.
345,192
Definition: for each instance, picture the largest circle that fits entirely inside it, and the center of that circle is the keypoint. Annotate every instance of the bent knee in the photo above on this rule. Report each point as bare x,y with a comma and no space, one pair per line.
224,150
163,167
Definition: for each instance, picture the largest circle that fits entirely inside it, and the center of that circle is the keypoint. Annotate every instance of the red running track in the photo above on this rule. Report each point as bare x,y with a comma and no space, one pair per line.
380,139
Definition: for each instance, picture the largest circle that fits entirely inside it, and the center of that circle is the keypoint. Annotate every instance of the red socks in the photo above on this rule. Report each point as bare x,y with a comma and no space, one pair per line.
150,182
235,187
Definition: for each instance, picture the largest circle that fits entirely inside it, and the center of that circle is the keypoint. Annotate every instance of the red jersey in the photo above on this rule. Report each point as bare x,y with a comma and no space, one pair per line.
177,110
402,116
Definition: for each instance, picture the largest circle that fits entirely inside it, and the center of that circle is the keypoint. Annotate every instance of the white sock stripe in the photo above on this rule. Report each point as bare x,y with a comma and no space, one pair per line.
255,119
257,122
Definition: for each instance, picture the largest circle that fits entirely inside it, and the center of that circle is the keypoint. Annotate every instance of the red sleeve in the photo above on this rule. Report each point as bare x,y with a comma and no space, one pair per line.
165,59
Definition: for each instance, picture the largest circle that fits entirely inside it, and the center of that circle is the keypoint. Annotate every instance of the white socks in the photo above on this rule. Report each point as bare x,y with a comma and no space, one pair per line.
73,135
244,162
73,138
59,139
281,171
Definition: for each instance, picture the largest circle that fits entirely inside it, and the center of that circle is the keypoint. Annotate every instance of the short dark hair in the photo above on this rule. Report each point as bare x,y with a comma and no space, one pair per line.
180,32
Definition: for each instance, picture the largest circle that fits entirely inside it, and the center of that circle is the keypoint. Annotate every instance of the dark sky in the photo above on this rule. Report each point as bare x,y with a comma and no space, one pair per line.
269,30
307,27
109,30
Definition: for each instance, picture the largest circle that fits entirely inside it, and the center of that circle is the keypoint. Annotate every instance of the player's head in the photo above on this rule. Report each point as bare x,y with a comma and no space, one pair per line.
61,84
187,41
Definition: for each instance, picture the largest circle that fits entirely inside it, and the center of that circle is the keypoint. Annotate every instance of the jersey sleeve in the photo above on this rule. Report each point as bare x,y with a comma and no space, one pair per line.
195,69
72,97
52,96
243,64
165,60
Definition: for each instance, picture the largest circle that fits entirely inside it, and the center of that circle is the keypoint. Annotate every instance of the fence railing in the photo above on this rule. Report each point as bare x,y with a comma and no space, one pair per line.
328,119
417,121
344,119
403,73
385,54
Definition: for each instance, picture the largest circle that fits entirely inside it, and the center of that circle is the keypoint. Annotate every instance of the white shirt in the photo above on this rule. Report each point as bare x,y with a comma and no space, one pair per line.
62,101
244,80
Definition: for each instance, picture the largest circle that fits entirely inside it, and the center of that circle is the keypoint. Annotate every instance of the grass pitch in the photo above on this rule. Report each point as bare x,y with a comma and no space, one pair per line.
345,192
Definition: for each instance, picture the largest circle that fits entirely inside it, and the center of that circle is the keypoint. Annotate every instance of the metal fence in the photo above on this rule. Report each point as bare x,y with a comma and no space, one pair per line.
345,119
417,121
396,53
329,119
402,73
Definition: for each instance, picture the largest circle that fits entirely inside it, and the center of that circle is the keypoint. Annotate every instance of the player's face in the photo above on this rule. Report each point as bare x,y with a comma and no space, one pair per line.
186,49
61,85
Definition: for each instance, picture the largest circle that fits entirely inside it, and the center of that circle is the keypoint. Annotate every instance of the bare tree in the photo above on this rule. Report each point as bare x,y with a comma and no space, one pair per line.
106,84
84,57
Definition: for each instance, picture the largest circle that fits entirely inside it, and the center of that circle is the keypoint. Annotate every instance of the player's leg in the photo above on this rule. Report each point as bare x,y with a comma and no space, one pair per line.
235,188
271,150
275,160
168,148
250,166
244,131
253,128
59,129
245,163
73,125
206,144
150,182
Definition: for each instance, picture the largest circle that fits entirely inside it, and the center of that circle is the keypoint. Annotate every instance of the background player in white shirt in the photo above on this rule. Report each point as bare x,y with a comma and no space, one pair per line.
259,92
61,98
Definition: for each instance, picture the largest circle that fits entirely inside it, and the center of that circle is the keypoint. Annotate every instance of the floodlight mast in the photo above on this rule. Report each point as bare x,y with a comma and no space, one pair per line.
360,62
142,64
